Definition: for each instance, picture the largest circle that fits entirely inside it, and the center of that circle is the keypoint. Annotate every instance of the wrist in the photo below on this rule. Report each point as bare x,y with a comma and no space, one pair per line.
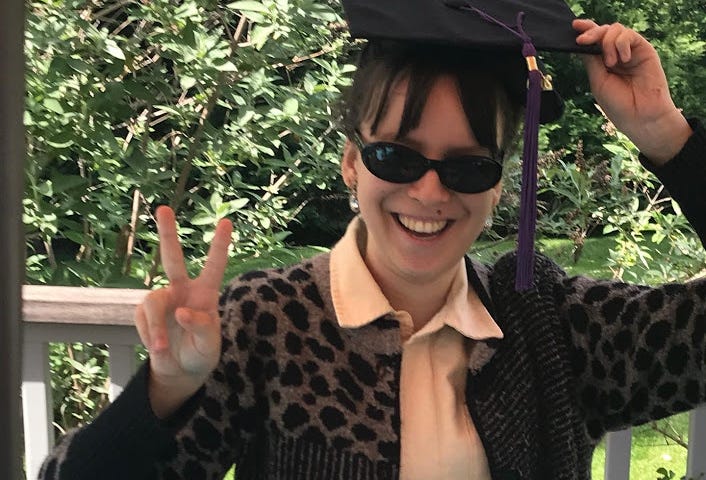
664,138
167,395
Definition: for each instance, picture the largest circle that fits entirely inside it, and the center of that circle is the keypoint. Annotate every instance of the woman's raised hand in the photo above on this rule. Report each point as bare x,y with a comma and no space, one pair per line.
179,324
629,84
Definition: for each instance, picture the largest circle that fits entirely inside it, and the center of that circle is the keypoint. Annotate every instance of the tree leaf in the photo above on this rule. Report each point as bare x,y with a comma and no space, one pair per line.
248,6
227,67
53,105
261,34
62,140
215,201
238,203
186,82
203,218
63,183
46,188
114,50
291,106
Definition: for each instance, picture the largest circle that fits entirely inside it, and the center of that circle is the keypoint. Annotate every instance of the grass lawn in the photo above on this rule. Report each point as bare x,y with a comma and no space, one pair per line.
650,451
591,263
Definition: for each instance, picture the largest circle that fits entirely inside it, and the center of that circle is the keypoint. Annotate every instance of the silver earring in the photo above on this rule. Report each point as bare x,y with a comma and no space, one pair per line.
353,202
488,222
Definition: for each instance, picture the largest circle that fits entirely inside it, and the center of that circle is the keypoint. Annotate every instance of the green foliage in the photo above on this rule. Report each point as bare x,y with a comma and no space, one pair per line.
78,381
616,195
644,217
665,474
591,180
218,110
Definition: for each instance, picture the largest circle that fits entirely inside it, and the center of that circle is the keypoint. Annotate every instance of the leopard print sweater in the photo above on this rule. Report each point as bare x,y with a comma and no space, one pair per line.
297,397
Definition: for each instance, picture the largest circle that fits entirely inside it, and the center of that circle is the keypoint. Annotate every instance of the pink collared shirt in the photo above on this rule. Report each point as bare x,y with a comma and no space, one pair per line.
438,438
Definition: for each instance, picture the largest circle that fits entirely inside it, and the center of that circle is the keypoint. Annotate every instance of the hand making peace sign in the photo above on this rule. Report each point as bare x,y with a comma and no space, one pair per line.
179,324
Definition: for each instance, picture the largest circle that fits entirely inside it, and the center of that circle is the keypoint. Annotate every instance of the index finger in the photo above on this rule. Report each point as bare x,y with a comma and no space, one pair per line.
212,273
169,246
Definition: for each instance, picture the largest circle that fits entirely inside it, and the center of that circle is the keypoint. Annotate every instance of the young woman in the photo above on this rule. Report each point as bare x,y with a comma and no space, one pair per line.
395,355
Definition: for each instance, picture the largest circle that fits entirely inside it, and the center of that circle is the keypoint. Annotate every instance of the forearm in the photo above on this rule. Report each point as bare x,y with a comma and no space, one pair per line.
684,176
125,441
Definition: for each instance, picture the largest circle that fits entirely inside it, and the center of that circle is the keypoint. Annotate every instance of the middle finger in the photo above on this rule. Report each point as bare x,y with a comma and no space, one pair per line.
217,259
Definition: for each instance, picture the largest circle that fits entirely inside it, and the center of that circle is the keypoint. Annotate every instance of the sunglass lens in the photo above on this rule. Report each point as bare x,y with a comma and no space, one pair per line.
393,163
399,164
470,174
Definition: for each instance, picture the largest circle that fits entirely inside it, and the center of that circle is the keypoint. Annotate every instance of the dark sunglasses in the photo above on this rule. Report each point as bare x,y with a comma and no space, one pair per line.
397,163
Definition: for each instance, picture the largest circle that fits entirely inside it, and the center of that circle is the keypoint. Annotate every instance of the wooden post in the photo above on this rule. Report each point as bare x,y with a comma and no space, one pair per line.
11,232
37,400
617,455
696,458
122,367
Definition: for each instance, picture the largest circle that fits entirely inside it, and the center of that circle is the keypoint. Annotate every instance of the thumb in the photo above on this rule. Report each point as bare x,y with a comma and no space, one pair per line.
196,322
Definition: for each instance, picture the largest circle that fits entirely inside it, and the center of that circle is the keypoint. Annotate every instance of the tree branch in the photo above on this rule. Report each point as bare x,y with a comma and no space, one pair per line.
672,436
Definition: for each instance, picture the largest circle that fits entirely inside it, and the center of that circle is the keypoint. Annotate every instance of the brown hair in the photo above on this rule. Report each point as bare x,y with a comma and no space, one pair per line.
485,83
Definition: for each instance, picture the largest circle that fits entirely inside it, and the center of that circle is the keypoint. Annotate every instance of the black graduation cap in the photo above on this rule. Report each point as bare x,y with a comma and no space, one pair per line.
547,22
522,26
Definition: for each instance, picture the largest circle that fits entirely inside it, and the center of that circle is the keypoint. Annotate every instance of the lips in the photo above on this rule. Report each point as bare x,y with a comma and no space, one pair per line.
422,227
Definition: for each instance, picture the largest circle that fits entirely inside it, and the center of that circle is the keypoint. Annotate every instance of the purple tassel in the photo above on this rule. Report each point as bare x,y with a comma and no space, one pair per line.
528,197
528,202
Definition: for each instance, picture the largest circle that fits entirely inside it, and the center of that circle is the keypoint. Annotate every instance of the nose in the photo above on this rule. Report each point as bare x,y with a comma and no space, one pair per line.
429,190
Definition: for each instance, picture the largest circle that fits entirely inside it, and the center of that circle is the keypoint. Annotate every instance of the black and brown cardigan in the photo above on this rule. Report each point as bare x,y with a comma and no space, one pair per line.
297,397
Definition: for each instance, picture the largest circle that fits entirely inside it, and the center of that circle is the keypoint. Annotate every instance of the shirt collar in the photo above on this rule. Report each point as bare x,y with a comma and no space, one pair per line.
351,281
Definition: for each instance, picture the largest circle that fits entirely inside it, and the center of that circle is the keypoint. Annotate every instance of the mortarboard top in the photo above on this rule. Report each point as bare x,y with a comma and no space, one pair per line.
505,26
452,22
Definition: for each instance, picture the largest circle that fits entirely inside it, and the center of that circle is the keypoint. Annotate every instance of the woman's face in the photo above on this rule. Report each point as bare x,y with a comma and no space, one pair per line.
419,231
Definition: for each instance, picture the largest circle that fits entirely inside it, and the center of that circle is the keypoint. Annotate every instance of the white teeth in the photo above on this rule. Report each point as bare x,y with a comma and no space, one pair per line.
422,226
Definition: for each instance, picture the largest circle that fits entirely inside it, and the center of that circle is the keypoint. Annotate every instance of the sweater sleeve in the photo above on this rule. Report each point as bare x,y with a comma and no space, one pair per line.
685,177
127,429
127,440
638,352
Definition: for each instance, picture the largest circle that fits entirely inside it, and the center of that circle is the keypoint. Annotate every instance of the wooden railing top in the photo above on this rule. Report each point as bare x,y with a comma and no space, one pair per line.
80,305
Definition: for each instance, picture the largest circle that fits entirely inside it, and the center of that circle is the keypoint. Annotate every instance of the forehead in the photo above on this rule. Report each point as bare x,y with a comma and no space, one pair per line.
407,97
437,102
404,98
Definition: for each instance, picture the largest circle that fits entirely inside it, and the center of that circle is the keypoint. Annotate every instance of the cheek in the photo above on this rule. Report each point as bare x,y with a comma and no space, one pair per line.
370,198
482,204
371,188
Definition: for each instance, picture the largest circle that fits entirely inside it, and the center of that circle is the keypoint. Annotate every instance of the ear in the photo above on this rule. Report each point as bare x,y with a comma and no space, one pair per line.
496,192
349,164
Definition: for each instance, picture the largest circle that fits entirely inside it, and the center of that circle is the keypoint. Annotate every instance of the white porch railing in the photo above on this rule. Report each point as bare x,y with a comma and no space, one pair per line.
69,314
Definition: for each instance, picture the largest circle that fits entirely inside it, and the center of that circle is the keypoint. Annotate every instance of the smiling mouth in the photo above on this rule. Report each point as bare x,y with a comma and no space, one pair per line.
422,228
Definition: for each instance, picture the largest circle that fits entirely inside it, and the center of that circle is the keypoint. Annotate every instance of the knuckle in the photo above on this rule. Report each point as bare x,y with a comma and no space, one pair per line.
154,304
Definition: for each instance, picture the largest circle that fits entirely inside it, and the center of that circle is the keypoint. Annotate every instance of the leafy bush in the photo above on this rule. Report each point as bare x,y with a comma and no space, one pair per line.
218,110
